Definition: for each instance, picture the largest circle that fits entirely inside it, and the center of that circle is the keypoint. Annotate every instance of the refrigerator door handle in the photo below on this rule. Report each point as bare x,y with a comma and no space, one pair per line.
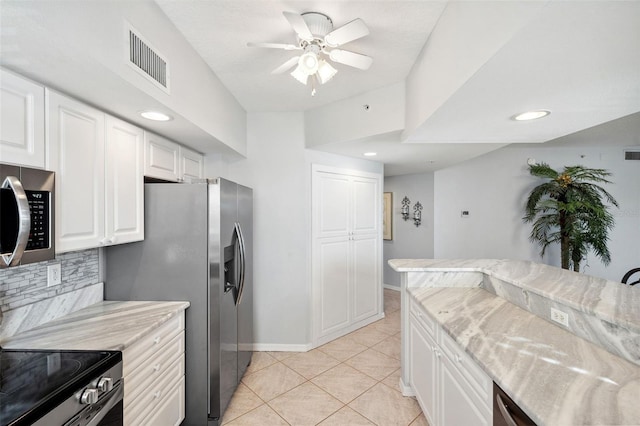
243,260
24,221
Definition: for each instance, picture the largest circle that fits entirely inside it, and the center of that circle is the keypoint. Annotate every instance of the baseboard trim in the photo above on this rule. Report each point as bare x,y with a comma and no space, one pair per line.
278,347
406,390
391,287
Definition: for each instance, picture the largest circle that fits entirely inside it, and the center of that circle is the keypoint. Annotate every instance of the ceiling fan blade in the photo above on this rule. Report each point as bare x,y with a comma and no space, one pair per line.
346,33
299,26
286,66
275,46
352,59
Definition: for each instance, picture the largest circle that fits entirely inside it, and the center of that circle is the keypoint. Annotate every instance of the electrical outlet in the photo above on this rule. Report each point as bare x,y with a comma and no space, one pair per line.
560,317
54,275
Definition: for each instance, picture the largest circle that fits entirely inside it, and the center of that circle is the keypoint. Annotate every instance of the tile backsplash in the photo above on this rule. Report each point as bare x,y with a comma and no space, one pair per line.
23,285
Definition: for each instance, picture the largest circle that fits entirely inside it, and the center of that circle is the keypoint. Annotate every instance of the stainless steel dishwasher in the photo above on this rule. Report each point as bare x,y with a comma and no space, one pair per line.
506,412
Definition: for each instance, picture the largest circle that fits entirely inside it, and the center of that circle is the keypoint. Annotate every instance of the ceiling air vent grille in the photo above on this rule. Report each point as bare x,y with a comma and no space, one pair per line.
148,61
630,154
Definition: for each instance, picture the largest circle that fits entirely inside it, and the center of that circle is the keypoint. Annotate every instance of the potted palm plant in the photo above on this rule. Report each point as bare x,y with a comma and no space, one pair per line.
570,208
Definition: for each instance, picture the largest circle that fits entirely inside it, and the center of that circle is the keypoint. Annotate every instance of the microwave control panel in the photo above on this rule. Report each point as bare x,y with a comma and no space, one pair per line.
40,213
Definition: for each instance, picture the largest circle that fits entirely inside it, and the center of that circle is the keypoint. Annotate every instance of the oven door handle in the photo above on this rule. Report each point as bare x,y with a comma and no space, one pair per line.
24,221
504,410
112,398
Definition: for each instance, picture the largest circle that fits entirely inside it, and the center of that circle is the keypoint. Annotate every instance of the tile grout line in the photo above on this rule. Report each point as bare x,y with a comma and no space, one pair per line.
340,363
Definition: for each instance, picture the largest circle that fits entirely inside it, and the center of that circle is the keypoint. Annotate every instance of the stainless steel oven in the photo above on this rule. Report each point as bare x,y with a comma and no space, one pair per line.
506,412
27,218
60,388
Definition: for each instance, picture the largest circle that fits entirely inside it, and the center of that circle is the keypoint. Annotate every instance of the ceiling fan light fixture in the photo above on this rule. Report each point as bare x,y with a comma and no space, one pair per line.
300,75
308,63
325,71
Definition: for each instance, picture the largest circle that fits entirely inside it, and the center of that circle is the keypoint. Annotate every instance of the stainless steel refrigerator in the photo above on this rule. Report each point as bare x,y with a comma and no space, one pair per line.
197,247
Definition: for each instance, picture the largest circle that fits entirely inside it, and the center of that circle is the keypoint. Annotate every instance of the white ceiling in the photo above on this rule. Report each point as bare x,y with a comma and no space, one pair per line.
220,30
579,59
468,66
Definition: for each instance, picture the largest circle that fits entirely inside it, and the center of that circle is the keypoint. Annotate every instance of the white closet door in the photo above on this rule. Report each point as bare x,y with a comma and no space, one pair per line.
333,195
366,205
365,267
346,251
333,279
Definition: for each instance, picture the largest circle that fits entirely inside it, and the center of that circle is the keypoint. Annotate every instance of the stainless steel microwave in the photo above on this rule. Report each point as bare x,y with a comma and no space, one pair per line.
27,218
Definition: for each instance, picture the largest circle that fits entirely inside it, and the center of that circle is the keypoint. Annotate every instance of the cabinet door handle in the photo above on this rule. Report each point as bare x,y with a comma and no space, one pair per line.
458,358
156,340
156,367
157,395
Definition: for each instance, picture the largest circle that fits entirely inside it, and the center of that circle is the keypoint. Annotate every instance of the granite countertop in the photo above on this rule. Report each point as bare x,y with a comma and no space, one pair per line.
555,376
606,300
108,325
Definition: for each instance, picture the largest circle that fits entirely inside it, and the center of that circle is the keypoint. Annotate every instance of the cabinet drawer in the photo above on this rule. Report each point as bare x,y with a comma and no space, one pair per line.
472,373
152,369
170,411
133,356
423,318
154,394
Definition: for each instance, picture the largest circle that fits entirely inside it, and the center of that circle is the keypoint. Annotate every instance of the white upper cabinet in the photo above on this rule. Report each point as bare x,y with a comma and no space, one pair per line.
22,123
75,134
346,251
191,164
98,161
161,157
124,184
167,160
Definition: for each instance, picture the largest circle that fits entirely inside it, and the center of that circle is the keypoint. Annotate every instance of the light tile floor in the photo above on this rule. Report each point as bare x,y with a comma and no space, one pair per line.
352,380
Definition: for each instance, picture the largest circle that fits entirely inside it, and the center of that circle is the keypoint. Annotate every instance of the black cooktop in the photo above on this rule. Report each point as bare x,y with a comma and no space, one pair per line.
33,382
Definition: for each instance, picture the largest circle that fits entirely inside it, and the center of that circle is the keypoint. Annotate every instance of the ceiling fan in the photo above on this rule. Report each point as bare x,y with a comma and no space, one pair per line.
319,41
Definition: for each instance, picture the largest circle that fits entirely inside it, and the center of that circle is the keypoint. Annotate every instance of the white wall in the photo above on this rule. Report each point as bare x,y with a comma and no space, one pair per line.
494,187
408,241
278,168
80,48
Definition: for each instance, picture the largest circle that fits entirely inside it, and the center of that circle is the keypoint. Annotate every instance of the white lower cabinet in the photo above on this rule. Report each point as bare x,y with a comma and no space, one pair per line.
450,388
153,370
423,369
170,411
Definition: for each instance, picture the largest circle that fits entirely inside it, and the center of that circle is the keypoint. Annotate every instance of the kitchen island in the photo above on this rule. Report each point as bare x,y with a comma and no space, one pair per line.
499,313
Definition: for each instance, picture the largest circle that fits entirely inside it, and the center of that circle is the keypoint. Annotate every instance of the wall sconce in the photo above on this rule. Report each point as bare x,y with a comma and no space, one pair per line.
405,208
417,216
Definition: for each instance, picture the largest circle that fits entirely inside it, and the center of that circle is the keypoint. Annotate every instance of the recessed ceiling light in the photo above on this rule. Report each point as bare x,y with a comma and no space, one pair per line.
531,115
155,115
370,154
